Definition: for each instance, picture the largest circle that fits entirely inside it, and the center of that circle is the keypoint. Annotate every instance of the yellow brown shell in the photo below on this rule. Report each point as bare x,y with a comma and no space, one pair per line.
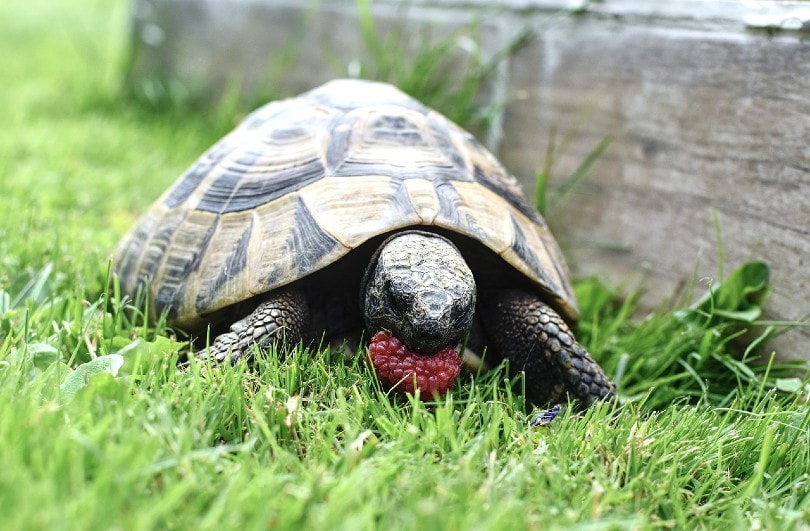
302,182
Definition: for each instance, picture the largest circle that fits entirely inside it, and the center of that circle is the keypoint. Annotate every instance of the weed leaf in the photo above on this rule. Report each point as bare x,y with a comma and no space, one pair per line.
739,297
81,376
42,355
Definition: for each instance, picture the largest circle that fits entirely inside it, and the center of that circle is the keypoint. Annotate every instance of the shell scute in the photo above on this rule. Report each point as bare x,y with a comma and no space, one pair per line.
226,270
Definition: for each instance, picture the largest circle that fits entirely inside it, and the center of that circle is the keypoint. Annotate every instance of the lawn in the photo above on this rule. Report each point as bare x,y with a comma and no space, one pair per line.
99,430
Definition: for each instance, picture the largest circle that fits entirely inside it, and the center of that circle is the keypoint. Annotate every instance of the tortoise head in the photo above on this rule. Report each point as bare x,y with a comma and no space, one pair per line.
419,288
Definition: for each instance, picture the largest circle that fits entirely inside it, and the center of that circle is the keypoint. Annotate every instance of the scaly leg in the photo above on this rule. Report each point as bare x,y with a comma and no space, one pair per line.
534,338
282,318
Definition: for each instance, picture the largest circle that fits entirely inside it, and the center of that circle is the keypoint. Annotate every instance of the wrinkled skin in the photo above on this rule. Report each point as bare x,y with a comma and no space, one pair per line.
422,291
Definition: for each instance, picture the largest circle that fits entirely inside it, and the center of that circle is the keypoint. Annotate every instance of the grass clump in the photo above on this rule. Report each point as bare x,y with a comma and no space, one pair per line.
707,353
100,429
446,69
446,72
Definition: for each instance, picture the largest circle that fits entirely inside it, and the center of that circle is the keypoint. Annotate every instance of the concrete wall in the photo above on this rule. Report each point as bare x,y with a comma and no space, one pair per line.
708,104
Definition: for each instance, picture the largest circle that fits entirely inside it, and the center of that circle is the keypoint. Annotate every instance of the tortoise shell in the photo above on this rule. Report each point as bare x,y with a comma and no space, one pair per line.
302,182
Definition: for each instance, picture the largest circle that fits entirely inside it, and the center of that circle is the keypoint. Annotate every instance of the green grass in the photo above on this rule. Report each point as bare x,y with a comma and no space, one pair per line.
706,438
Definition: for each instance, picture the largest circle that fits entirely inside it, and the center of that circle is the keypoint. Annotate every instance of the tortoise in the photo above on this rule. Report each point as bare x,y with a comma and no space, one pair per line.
350,211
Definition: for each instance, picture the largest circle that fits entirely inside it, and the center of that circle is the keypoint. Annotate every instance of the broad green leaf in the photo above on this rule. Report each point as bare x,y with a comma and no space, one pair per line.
103,386
738,297
789,385
81,376
42,355
748,315
139,353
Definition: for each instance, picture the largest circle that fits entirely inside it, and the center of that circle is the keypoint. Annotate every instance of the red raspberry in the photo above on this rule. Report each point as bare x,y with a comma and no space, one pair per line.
395,365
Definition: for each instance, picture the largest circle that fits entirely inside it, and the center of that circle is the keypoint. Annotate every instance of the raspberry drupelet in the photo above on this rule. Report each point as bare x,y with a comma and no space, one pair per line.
406,371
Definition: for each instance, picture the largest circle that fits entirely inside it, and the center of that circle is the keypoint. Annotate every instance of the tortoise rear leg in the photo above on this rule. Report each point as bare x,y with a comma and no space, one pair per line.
535,339
281,319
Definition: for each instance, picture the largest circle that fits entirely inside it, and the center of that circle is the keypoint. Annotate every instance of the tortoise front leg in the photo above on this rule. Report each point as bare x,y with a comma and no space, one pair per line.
280,319
521,328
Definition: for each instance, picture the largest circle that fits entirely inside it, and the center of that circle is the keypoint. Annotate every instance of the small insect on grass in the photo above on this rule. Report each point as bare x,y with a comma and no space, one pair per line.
545,418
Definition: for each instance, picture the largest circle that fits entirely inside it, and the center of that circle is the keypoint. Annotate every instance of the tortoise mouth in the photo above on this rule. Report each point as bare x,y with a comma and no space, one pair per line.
404,370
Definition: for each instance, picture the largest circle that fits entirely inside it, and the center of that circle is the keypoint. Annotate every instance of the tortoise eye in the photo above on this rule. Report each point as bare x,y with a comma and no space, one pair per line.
395,303
459,318
394,300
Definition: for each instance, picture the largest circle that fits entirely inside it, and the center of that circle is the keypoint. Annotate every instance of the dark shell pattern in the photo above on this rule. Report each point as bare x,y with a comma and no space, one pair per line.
303,181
